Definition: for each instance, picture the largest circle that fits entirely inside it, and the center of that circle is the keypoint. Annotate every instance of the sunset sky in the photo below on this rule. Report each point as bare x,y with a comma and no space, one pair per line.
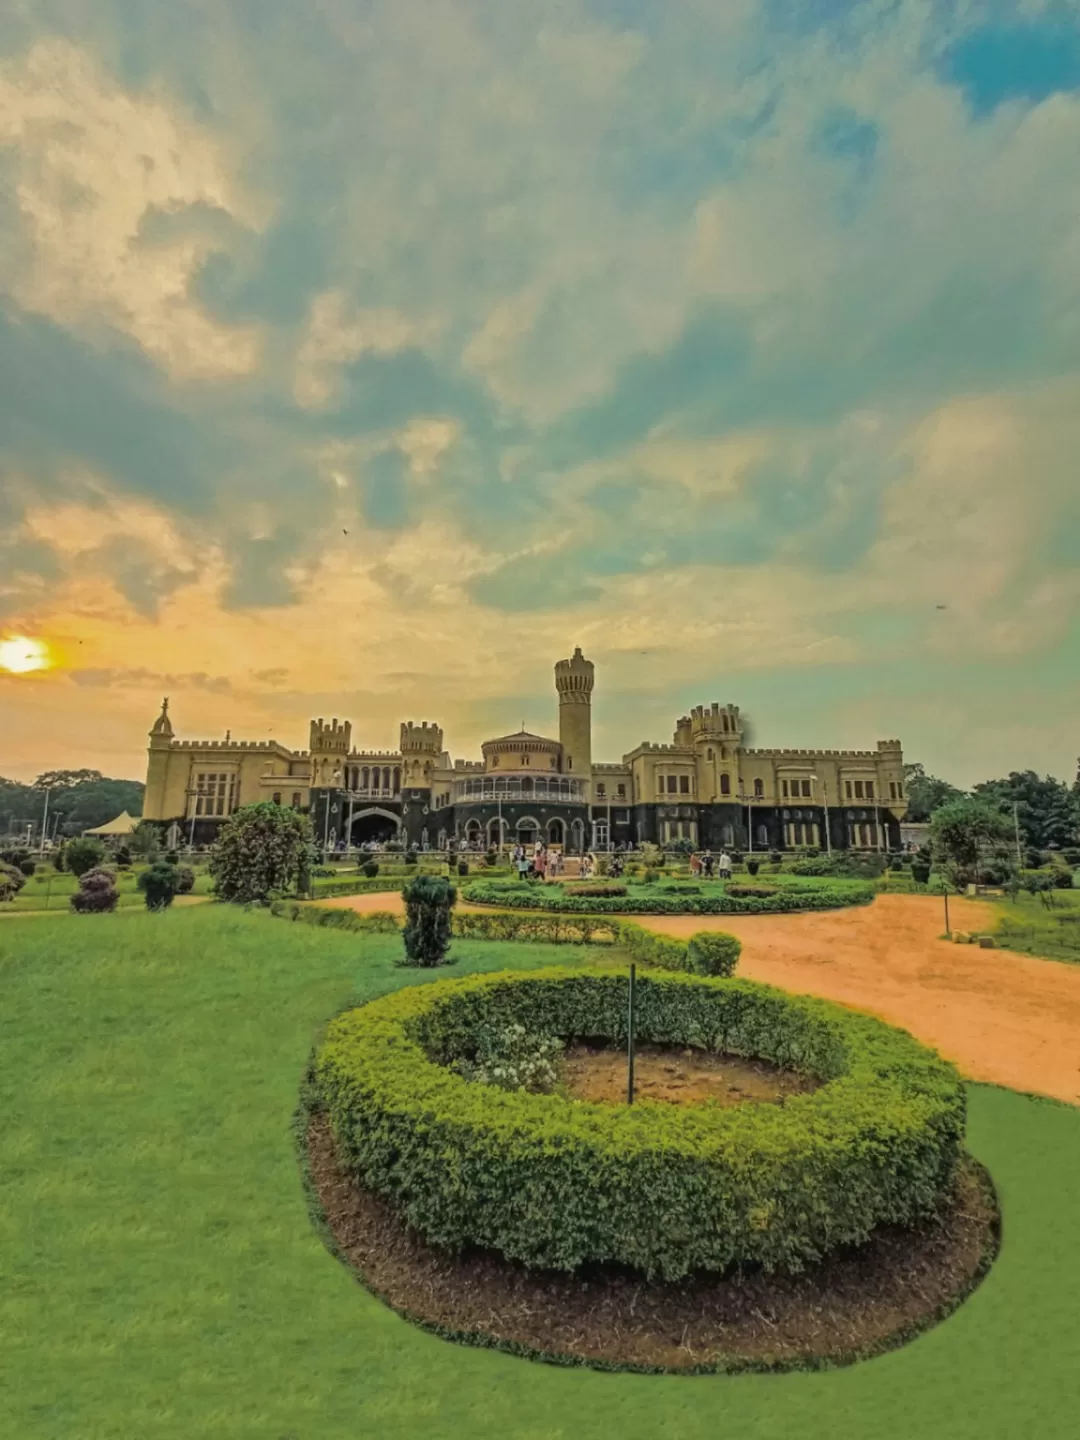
363,358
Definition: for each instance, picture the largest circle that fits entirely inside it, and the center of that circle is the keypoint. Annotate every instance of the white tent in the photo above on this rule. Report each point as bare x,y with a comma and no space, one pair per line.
123,825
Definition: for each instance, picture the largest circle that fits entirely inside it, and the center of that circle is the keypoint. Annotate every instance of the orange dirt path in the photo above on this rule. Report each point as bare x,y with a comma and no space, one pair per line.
1009,1019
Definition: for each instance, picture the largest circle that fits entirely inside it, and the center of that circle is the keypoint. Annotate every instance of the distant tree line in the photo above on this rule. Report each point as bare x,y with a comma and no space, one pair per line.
78,800
1047,809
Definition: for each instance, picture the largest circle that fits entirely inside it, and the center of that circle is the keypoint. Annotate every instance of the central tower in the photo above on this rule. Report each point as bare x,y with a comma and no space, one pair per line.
574,682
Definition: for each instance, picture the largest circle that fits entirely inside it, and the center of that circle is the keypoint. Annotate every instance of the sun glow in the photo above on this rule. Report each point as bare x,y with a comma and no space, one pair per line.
20,655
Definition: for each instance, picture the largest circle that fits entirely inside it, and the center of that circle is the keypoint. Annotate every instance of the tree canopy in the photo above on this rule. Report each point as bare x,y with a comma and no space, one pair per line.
925,793
78,800
1048,811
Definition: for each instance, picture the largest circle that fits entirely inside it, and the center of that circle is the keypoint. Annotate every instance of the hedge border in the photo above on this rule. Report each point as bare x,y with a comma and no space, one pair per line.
787,900
308,1108
533,1176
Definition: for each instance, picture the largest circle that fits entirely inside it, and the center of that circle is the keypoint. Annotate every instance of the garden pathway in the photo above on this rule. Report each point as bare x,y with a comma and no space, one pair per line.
1009,1019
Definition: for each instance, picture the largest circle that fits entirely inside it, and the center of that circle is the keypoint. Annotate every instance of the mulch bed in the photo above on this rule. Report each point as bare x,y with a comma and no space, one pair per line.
861,1302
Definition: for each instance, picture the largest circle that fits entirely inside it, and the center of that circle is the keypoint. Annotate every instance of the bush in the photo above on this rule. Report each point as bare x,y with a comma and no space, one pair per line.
410,857
609,887
122,857
159,884
97,893
1063,879
463,867
261,849
711,952
12,881
185,880
491,859
84,854
753,866
744,892
668,900
429,900
668,1190
920,871
514,1058
370,869
776,856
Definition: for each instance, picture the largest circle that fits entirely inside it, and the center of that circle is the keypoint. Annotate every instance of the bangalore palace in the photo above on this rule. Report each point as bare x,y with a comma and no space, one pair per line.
704,787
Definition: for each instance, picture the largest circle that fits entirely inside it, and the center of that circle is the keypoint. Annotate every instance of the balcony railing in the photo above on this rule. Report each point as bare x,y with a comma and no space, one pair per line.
558,789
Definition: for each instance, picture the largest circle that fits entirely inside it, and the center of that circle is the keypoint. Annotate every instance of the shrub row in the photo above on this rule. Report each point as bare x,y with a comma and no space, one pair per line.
708,953
536,897
556,1183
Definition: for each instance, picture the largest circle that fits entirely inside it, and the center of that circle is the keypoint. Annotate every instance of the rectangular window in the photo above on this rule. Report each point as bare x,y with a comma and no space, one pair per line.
869,789
684,784
725,784
784,788
806,788
672,784
892,789
622,792
847,788
277,797
600,792
759,789
296,800
858,789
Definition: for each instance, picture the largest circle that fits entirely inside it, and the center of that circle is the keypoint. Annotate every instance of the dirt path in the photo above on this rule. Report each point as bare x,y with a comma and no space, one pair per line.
1006,1018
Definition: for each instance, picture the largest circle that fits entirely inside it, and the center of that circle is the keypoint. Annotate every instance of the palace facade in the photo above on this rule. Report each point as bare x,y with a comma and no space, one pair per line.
704,786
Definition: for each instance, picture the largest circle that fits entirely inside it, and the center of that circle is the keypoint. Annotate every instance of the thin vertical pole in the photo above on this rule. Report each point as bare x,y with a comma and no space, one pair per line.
630,1039
947,931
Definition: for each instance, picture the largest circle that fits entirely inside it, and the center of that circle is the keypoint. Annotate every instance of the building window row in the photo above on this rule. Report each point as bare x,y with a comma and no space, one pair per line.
601,791
673,785
863,789
792,789
896,791
379,779
215,793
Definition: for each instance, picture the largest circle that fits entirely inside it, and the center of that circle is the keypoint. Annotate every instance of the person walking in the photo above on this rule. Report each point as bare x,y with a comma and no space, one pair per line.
707,864
695,864
724,865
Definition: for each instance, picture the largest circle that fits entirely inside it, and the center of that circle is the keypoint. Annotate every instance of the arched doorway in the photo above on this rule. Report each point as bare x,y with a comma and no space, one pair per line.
374,827
577,837
473,831
528,831
556,832
493,837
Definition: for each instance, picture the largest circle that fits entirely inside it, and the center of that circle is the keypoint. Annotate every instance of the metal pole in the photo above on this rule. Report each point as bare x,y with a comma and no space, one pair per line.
948,932
44,822
630,1038
825,800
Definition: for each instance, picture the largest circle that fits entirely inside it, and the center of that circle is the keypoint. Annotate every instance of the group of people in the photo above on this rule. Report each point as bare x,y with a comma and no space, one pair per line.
538,864
708,864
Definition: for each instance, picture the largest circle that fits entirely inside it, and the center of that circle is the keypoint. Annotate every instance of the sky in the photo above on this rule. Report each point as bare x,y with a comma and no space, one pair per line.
361,358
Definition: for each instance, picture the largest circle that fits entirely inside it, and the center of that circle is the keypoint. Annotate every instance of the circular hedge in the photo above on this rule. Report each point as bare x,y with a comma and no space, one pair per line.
556,1183
654,900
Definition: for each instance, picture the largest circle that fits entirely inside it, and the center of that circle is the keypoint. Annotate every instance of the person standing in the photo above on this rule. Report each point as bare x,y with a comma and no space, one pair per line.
724,865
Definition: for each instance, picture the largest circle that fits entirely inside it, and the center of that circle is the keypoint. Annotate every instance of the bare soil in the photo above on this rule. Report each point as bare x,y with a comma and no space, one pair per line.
860,1302
676,1075
1004,1018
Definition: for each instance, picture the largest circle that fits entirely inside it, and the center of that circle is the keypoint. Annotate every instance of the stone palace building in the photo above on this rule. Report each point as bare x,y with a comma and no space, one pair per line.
704,786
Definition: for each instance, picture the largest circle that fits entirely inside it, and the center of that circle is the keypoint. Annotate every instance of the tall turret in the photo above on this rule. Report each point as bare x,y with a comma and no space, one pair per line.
574,682
329,748
421,753
157,769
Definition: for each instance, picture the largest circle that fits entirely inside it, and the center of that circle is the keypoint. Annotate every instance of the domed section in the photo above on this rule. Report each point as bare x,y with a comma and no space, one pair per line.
163,725
523,751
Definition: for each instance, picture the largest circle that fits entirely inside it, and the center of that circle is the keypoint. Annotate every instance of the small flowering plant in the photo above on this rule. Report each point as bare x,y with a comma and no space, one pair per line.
514,1058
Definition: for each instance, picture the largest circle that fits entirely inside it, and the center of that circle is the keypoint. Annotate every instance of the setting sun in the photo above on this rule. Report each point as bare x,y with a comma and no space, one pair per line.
20,655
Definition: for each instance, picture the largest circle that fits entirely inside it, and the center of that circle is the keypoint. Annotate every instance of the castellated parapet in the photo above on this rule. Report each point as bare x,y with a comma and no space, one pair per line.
423,739
332,739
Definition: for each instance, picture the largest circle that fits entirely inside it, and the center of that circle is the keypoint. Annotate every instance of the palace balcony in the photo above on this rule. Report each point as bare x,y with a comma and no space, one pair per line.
519,789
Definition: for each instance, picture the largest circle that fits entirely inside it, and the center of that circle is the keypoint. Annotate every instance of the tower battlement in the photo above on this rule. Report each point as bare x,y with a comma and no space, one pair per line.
423,739
574,679
332,739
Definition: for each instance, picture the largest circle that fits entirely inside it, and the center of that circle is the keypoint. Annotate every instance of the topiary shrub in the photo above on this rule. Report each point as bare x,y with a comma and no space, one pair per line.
159,884
609,887
261,849
84,854
753,866
370,868
429,901
491,859
12,881
410,857
97,893
27,867
752,892
463,867
920,871
667,1190
671,899
711,952
185,880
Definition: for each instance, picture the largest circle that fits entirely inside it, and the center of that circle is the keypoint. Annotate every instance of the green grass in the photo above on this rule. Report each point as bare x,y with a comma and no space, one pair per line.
1032,928
161,1277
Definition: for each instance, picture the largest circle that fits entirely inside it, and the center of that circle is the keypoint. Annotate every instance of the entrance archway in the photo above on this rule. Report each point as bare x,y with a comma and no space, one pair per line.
556,832
374,827
528,831
577,837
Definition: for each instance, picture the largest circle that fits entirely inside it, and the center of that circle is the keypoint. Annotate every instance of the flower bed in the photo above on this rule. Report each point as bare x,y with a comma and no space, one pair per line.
556,1183
652,900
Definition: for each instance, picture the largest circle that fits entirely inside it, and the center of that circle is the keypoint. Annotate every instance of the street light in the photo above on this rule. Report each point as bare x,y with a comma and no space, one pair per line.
44,821
825,807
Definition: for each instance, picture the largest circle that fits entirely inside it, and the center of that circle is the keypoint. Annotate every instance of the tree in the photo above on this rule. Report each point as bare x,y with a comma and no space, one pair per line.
259,852
67,779
429,899
1047,810
145,841
97,893
83,854
159,884
925,793
966,832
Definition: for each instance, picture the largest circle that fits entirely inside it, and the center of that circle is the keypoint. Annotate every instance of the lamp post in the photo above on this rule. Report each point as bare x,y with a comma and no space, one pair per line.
44,820
825,808
191,794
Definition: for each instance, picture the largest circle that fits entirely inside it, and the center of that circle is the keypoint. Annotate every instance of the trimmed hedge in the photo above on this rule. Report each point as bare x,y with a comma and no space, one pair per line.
668,902
712,948
556,1183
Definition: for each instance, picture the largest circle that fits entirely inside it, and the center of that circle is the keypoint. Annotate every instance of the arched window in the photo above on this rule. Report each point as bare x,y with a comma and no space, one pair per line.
763,835
277,797
365,778
725,784
759,789
296,800
729,835
386,777
397,781
710,754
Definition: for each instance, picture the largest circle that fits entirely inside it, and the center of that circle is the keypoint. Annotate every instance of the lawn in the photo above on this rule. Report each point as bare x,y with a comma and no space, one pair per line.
49,890
161,1277
1029,926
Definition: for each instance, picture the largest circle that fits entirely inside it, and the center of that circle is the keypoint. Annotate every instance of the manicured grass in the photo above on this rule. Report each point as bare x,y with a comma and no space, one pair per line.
1029,926
162,1279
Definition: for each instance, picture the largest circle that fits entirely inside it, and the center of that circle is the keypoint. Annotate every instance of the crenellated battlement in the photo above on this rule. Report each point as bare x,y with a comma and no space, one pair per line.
332,739
423,739
815,754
